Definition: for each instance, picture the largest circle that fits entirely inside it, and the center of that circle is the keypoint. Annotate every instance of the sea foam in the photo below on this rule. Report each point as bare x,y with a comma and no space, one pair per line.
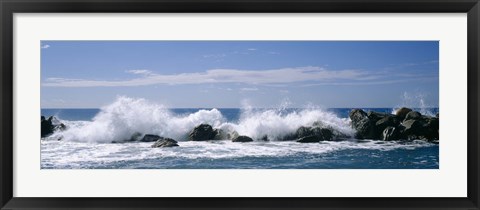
127,116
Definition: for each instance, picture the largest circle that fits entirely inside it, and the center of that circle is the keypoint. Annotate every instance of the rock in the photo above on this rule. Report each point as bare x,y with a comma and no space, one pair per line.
388,121
412,128
390,133
303,132
366,129
406,124
413,115
437,115
310,139
364,126
150,138
264,138
242,139
325,134
202,132
46,127
220,134
375,116
357,115
431,127
50,125
166,142
402,112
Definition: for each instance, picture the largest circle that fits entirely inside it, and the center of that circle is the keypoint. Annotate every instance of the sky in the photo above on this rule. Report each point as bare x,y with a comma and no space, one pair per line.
235,74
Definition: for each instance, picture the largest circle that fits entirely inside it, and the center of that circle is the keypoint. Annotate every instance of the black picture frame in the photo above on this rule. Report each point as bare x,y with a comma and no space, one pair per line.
9,7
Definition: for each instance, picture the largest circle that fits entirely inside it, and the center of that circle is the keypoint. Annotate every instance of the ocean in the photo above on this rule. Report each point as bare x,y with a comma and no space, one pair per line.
87,143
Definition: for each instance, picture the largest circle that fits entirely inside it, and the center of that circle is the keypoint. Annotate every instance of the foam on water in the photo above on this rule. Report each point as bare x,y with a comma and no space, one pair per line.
60,154
127,116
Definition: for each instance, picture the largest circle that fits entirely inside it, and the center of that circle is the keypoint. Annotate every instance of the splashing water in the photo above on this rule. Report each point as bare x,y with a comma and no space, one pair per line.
416,102
126,116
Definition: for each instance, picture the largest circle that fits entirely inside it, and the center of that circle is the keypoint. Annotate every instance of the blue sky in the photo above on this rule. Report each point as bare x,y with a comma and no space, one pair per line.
230,74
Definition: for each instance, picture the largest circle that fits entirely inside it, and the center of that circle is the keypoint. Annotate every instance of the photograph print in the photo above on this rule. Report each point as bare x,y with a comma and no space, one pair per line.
239,104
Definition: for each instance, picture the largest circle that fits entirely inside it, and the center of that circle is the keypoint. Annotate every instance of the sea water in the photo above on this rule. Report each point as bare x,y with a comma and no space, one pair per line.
87,143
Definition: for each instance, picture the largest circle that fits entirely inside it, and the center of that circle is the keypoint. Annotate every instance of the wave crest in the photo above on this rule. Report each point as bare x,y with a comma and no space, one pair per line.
127,116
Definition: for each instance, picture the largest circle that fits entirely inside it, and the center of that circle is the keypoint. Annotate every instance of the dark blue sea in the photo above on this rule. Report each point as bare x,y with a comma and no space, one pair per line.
86,144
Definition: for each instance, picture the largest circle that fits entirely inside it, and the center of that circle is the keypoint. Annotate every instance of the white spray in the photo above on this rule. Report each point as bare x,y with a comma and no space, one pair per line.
127,116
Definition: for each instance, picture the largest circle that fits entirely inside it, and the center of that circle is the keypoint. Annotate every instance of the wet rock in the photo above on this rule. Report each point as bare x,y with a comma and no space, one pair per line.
221,134
388,121
50,125
431,127
150,138
166,142
390,133
375,116
357,115
364,126
202,132
413,115
264,138
325,134
310,139
412,128
242,139
402,112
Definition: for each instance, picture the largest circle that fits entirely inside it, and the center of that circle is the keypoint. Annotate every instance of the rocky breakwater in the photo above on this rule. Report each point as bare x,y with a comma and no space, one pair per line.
405,124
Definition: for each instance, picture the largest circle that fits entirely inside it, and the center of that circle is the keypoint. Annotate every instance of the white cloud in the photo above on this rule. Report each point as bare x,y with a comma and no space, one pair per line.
140,71
45,46
251,49
249,89
272,77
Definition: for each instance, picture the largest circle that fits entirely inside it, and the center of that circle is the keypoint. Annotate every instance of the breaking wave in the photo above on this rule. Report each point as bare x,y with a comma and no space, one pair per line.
127,116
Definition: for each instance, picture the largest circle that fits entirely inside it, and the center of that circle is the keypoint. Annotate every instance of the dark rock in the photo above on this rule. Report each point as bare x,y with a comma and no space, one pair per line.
166,142
202,132
412,128
375,116
303,132
402,112
366,129
413,115
290,136
390,133
264,138
46,126
364,126
50,125
357,115
242,139
150,138
220,134
310,139
431,127
388,121
437,115
325,134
